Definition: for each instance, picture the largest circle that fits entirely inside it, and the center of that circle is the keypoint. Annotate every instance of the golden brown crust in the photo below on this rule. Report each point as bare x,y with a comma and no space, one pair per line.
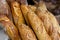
17,14
25,10
9,28
45,19
38,26
55,26
49,21
26,33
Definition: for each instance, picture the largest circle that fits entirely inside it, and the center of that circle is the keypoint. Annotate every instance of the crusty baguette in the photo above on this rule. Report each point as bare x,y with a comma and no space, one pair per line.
53,19
25,10
41,13
54,23
48,20
9,27
37,26
51,30
17,14
26,33
45,19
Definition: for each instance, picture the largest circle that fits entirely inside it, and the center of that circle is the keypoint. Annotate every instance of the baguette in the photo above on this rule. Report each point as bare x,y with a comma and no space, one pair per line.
37,26
49,24
9,27
17,14
45,19
26,33
25,10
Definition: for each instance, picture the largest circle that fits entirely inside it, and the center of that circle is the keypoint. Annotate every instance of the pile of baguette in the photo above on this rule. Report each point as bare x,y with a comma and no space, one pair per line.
30,22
